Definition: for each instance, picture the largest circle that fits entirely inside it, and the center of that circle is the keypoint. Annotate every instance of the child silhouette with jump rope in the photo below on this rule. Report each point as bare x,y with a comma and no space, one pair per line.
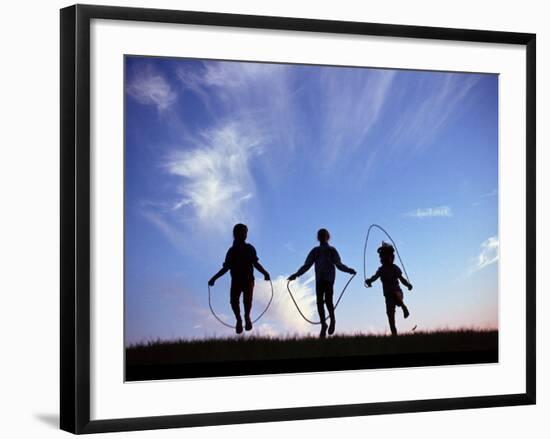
240,260
390,275
325,258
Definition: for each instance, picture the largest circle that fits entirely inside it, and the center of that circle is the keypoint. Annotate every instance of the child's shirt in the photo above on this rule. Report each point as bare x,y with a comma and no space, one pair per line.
240,259
325,257
389,275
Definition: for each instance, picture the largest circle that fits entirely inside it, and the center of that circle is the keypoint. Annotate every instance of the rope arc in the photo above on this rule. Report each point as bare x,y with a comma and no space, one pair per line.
335,305
219,319
394,246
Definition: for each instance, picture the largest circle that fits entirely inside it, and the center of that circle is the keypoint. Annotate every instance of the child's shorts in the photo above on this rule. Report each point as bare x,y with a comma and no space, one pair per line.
392,300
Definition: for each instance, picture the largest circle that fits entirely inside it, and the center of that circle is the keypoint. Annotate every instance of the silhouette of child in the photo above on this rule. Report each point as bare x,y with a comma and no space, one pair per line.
240,260
325,258
390,275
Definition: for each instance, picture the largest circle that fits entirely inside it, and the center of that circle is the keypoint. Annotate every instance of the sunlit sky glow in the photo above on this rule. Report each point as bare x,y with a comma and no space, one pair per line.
288,149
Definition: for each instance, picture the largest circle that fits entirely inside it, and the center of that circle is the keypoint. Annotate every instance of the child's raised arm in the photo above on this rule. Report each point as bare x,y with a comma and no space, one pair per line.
405,282
310,260
370,280
219,274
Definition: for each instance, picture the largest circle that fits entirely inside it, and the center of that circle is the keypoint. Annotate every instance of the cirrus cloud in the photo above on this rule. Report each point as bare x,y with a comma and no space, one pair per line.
282,316
488,255
149,87
489,252
431,212
215,177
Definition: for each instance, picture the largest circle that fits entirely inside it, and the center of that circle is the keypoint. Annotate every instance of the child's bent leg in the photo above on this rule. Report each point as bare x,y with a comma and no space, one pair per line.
406,312
399,302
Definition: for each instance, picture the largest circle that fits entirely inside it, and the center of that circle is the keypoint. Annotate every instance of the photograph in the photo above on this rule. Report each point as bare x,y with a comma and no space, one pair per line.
287,218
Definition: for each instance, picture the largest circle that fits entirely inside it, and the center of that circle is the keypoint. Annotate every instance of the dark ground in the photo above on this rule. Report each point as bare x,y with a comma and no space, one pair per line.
256,355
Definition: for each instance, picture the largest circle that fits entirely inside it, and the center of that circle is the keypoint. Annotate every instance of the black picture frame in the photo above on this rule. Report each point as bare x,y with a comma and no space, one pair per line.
75,217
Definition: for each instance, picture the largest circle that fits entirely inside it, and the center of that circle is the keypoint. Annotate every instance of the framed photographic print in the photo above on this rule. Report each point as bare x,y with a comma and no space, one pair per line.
344,209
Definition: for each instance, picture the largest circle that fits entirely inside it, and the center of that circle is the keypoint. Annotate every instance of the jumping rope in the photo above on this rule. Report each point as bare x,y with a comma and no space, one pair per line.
351,278
232,326
396,251
339,297
394,246
335,305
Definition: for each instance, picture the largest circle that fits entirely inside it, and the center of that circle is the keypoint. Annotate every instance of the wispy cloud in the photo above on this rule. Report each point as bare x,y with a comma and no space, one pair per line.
482,197
443,97
282,317
352,101
215,178
213,186
231,75
488,255
280,320
151,88
172,234
347,104
431,212
255,95
244,90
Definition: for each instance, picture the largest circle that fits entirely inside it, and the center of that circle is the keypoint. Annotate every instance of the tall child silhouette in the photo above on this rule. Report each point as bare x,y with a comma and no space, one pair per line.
325,258
390,275
240,260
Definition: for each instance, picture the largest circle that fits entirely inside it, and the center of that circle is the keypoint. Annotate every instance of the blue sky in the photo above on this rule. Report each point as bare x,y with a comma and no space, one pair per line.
288,149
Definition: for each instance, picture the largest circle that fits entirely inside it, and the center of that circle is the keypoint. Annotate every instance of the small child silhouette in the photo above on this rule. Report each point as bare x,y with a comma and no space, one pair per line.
325,258
390,275
240,260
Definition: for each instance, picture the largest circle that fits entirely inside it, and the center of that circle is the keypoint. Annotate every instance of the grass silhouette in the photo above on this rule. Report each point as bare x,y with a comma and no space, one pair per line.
252,348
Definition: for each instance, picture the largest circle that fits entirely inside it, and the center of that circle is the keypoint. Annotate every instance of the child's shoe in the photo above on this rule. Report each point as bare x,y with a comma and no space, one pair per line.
239,327
331,326
323,333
